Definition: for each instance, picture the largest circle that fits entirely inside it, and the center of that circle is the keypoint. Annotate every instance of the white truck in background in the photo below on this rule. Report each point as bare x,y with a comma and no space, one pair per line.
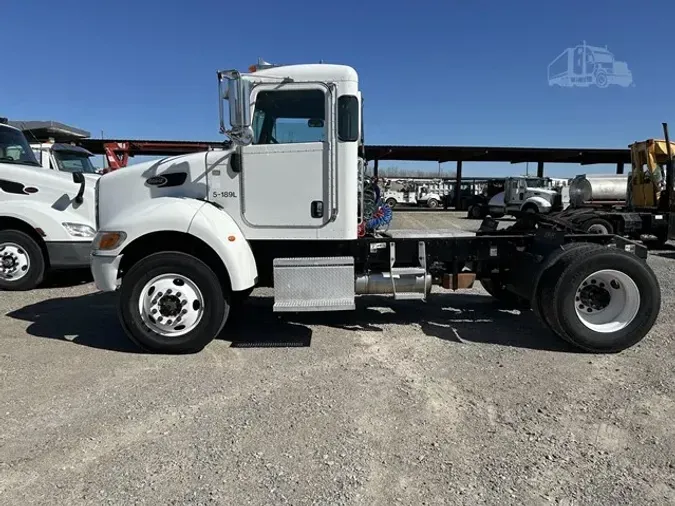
528,195
46,216
51,143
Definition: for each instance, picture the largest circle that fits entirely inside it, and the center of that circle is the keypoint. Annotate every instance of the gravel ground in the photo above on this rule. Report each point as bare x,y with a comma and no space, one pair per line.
452,402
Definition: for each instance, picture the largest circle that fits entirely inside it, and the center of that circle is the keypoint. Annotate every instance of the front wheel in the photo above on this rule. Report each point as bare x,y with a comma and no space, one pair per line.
22,263
172,302
432,203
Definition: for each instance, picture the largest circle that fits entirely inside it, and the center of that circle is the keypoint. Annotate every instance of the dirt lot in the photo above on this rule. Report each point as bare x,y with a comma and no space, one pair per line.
452,402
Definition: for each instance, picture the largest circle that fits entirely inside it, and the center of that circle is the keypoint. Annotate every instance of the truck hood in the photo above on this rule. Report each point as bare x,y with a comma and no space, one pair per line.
497,200
176,176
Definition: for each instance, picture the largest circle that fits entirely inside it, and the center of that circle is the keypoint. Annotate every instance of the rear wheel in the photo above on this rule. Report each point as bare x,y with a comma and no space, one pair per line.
545,288
172,302
22,262
498,290
598,226
604,300
476,212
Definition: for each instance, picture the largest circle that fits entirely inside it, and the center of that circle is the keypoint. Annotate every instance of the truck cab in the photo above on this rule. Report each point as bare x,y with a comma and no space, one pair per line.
527,195
65,157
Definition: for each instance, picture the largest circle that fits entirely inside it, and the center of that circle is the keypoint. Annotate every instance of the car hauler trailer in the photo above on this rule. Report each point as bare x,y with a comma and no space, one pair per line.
185,239
46,216
645,209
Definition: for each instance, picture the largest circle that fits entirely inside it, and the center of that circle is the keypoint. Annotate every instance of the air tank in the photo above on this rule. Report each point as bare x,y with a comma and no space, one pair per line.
598,188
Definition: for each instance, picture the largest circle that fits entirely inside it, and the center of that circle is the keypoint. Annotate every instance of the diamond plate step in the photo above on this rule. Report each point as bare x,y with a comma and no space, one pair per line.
314,284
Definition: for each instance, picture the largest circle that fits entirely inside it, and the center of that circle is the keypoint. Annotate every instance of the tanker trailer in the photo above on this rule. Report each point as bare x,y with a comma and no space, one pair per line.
594,190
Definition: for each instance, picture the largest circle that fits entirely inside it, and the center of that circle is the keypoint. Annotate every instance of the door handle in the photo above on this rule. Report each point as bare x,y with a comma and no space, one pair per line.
317,209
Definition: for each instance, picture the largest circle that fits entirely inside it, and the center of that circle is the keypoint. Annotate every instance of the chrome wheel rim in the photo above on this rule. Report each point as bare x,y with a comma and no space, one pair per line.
14,262
171,305
607,301
598,229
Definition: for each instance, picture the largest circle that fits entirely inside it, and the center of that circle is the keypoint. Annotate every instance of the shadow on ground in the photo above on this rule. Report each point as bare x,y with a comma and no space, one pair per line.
67,278
91,320
667,251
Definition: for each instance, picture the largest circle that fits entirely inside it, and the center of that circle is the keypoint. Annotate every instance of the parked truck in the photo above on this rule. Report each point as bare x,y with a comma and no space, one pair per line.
535,195
54,147
185,239
639,206
46,216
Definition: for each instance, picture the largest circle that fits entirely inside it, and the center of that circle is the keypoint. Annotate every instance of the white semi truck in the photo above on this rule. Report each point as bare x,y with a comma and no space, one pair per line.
528,195
185,239
46,217
54,147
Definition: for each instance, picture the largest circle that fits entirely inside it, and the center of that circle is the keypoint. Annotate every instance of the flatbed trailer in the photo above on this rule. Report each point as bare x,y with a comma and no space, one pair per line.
186,239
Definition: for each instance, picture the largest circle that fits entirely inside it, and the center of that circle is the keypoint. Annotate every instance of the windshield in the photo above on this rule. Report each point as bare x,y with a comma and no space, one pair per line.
69,161
14,148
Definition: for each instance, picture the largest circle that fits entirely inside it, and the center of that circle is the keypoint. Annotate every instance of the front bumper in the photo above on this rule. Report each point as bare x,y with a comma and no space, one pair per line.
68,254
104,269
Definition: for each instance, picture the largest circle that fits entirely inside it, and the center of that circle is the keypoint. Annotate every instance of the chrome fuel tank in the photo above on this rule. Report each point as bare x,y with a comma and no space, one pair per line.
592,188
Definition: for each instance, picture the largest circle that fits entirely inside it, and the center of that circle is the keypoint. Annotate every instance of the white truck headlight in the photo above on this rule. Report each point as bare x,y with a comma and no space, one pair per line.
79,229
107,241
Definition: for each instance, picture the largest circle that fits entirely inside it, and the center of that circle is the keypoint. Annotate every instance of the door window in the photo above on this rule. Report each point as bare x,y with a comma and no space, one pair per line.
289,116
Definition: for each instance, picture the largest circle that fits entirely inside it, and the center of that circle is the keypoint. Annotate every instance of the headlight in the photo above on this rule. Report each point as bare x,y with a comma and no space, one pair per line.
79,229
106,241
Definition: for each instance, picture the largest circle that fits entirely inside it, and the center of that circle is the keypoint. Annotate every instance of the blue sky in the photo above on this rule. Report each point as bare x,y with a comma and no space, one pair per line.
455,72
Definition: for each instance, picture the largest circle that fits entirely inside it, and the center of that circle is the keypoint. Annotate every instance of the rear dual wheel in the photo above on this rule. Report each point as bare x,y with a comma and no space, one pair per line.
599,299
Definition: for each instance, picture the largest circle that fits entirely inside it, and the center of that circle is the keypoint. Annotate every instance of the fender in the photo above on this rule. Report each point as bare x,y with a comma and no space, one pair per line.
217,229
540,202
191,216
37,216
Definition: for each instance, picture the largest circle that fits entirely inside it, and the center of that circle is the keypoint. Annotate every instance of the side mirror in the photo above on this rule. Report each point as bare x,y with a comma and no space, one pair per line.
239,98
238,95
78,178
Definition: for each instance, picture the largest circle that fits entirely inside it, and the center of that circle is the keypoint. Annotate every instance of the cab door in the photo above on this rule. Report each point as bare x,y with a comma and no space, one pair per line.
286,172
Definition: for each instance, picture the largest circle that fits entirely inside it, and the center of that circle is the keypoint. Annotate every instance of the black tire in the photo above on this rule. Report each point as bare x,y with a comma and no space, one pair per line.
562,307
216,305
476,212
432,203
598,226
542,306
505,297
391,202
530,208
36,259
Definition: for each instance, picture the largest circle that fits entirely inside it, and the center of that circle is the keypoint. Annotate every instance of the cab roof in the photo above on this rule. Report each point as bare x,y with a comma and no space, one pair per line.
308,72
